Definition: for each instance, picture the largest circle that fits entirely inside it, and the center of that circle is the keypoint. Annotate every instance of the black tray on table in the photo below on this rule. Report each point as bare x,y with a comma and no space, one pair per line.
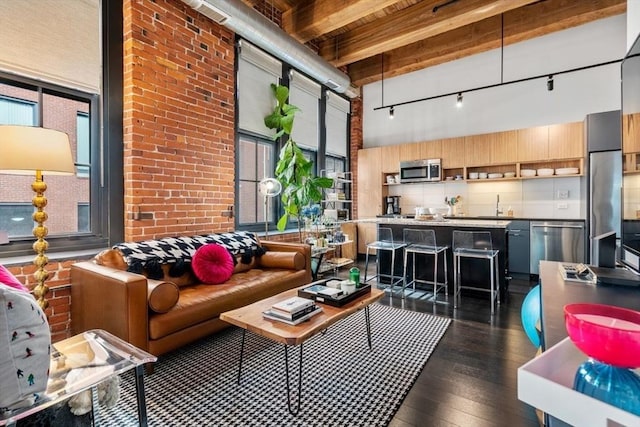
335,302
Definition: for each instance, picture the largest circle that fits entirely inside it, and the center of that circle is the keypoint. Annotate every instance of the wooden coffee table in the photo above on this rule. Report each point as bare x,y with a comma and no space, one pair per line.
249,318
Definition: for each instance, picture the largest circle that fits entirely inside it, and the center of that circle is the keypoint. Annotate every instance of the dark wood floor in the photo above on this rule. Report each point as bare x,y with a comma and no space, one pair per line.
471,378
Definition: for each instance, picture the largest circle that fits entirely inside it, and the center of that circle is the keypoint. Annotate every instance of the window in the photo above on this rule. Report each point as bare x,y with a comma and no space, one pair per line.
15,219
84,218
82,132
17,111
321,130
255,162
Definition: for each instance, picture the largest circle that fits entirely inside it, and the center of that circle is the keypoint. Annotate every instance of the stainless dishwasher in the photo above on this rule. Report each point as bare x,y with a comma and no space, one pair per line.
556,241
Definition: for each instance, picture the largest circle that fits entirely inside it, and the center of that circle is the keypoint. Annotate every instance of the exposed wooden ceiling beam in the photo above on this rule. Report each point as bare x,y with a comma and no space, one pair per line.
311,19
520,24
410,25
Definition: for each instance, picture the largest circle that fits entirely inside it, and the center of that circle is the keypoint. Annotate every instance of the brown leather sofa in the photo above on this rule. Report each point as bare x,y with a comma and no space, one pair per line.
161,315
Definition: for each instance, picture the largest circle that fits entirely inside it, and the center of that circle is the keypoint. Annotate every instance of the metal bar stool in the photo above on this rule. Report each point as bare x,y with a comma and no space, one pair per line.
475,244
384,242
423,242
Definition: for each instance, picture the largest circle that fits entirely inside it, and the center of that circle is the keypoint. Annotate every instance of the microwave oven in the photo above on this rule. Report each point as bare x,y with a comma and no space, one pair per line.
428,170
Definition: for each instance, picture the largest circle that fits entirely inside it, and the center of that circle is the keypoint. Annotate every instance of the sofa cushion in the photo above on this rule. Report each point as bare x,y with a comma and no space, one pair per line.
212,264
149,256
161,295
277,259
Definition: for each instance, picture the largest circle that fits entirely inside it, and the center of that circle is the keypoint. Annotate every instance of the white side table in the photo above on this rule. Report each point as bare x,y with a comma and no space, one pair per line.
82,362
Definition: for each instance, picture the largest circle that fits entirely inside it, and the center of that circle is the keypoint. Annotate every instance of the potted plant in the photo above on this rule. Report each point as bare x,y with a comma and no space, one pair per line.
300,187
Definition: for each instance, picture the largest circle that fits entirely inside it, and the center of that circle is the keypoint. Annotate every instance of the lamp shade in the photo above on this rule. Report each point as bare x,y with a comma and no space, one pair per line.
24,149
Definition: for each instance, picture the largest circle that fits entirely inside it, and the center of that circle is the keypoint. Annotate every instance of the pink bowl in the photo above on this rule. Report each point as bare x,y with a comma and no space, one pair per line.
608,334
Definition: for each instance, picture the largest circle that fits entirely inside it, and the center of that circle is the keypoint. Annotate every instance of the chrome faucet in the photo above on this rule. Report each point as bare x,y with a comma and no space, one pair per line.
498,210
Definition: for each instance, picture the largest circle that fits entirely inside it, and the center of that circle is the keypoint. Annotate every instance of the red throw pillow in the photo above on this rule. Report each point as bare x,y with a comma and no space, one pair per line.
212,264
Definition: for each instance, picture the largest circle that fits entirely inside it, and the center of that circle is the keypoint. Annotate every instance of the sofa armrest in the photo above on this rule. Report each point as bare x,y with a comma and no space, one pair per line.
303,248
110,299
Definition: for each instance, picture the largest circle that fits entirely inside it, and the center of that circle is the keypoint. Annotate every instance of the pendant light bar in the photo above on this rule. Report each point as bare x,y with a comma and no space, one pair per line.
526,79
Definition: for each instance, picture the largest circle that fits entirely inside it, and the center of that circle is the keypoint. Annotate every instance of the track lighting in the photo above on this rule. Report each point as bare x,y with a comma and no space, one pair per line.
391,112
550,83
459,100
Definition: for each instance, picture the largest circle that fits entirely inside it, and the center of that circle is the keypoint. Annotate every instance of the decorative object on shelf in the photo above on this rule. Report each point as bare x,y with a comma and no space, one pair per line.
268,188
610,336
451,203
26,150
293,170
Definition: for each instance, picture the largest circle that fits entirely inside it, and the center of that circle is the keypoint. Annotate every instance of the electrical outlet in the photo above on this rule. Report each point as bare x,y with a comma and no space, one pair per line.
563,206
563,194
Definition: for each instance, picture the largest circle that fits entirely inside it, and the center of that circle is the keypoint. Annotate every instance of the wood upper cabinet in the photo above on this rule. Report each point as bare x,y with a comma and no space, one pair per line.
430,149
631,133
390,158
453,153
410,152
369,182
566,141
478,149
504,148
532,144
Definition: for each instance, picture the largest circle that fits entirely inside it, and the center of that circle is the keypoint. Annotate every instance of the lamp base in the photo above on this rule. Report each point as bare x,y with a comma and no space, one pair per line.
619,387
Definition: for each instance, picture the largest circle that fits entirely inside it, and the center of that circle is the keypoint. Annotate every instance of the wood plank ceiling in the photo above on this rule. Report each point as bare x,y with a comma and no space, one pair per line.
359,36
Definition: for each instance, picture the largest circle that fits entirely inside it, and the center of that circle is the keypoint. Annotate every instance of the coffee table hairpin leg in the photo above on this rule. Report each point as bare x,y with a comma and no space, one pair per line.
367,319
286,368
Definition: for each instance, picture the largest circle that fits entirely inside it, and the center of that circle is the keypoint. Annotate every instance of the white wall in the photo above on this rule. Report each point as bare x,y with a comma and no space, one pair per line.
533,198
633,21
507,107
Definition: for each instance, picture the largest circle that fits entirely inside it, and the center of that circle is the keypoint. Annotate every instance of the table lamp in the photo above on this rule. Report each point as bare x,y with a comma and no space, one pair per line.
23,151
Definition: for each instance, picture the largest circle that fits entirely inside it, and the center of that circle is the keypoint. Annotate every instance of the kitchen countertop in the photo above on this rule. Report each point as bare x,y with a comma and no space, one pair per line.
516,218
449,222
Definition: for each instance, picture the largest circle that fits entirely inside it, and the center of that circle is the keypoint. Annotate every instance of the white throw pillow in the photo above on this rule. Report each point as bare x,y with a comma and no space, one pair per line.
25,346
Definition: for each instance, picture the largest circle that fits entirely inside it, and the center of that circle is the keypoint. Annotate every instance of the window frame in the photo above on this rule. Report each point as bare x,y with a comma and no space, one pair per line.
106,189
275,201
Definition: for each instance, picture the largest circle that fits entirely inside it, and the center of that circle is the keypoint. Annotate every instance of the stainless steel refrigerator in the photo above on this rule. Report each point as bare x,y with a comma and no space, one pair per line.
604,173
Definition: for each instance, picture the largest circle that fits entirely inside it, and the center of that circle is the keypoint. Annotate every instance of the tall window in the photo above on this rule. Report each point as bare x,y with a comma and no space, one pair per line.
49,79
255,160
321,137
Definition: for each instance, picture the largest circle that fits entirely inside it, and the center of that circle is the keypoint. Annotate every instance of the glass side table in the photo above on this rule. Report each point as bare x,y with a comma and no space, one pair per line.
82,362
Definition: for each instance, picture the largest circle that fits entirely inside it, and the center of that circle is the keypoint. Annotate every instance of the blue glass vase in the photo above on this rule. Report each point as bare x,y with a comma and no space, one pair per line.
619,387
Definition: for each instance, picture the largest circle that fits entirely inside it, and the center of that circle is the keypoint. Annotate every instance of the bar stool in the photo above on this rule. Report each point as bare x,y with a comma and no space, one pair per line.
475,244
423,242
384,242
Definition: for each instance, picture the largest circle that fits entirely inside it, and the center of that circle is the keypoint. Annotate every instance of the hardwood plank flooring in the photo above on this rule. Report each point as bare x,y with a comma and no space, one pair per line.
471,378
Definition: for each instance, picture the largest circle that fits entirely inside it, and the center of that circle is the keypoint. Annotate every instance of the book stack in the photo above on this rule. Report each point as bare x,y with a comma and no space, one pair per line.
292,311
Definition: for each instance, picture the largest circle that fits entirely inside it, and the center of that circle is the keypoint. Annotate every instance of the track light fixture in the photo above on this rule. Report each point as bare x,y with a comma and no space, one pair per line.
502,83
459,100
391,112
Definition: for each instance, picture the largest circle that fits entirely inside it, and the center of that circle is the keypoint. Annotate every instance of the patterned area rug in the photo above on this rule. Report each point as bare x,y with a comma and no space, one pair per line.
344,383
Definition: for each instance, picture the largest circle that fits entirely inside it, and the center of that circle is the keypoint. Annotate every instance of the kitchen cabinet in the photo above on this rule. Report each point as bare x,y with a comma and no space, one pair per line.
478,150
532,144
518,247
453,153
429,150
390,156
367,232
566,140
369,182
503,148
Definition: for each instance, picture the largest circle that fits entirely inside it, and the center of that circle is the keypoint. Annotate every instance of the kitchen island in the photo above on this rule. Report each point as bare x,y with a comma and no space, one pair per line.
475,272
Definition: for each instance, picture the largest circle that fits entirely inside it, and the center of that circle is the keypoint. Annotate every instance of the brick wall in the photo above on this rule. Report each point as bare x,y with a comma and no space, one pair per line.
178,120
357,143
59,310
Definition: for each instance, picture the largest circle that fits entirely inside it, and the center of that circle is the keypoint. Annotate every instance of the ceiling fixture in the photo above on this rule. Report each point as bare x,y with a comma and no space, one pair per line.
459,100
249,24
550,83
491,86
391,113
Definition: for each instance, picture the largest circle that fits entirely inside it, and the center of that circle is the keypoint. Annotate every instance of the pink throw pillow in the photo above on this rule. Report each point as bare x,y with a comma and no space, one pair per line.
10,280
212,264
